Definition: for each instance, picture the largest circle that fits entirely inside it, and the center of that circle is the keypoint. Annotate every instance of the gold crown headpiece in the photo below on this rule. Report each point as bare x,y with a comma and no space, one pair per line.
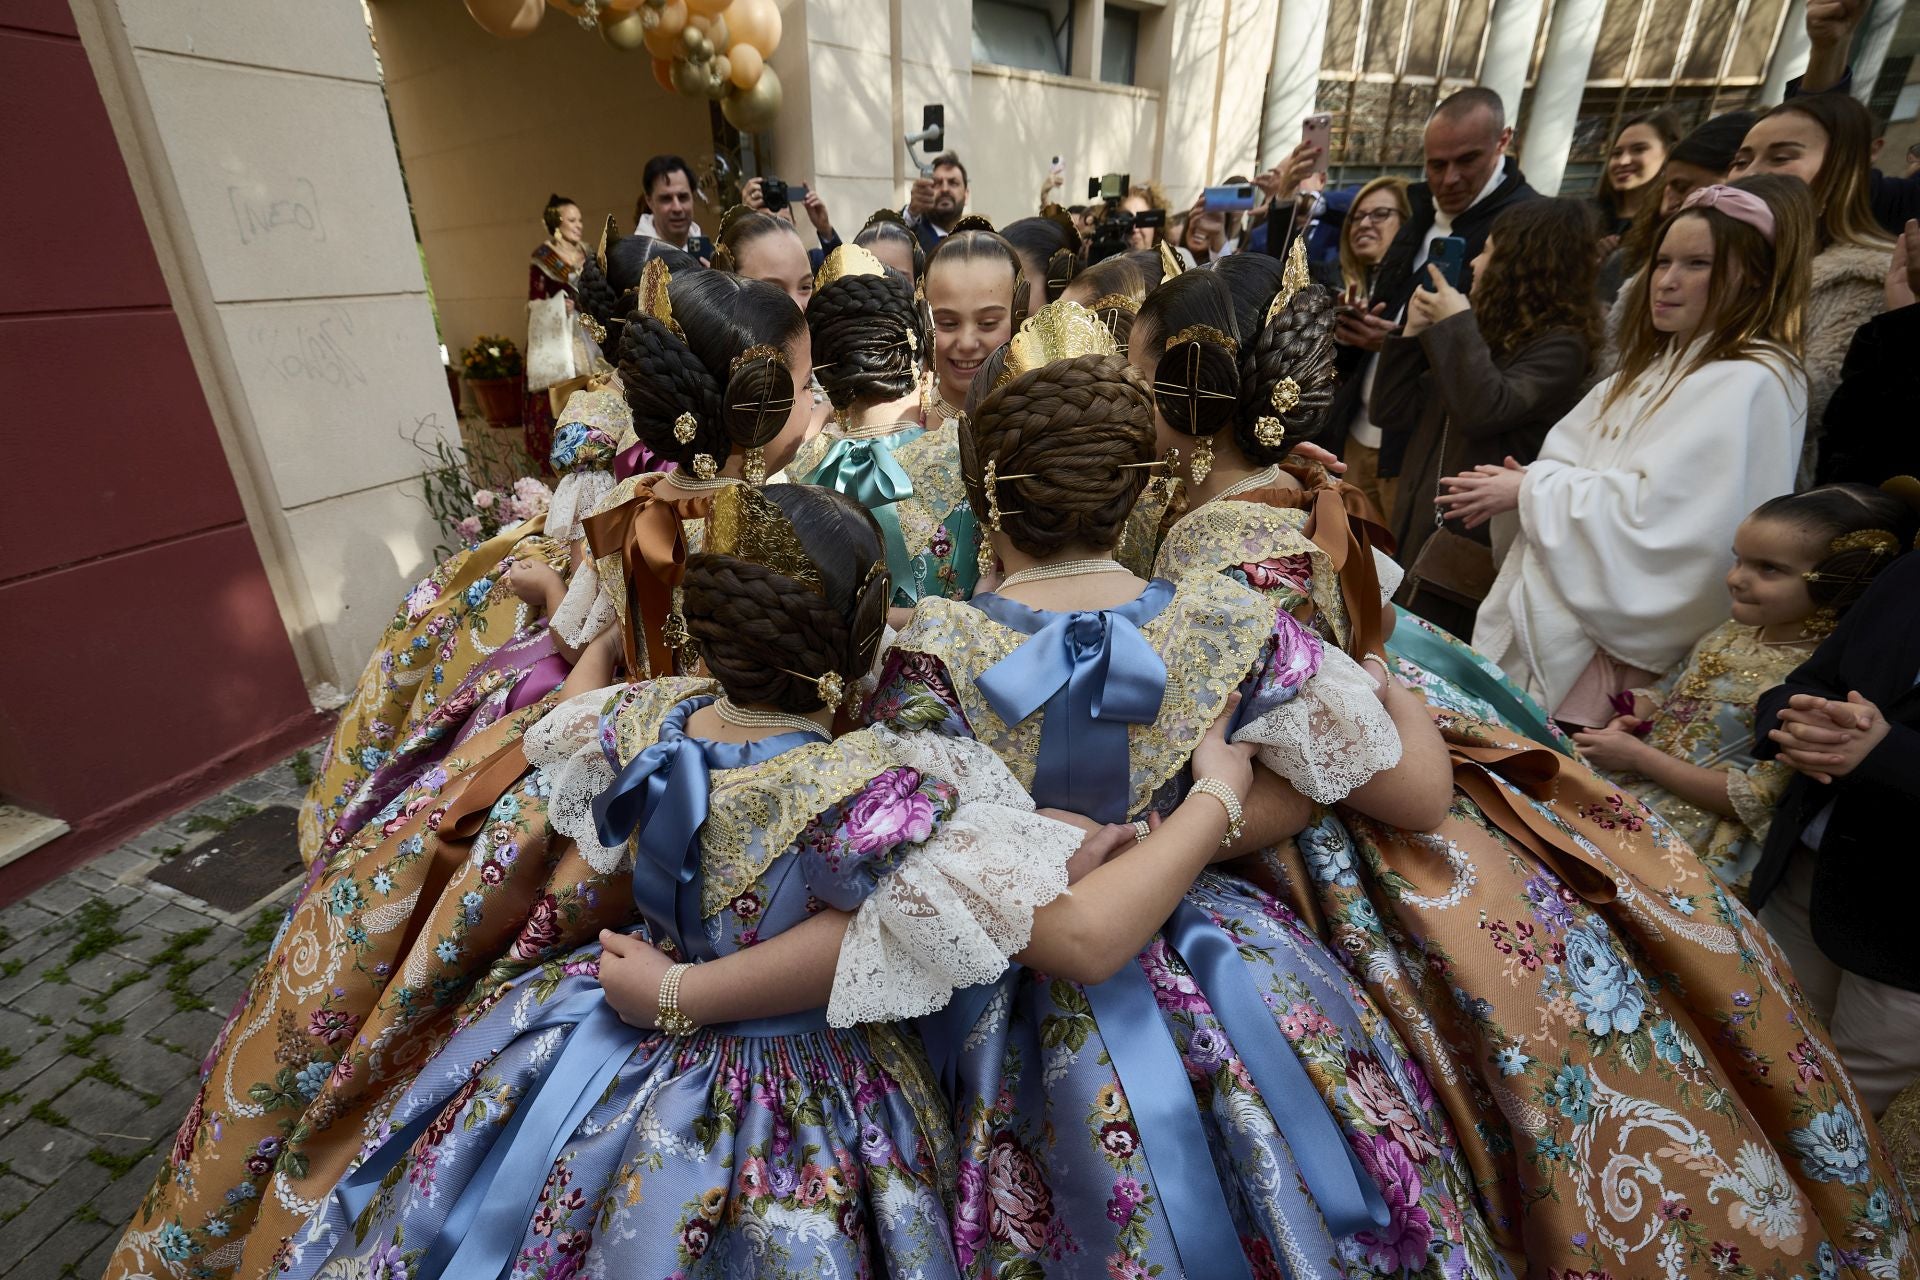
1058,331
848,260
653,298
1293,278
746,523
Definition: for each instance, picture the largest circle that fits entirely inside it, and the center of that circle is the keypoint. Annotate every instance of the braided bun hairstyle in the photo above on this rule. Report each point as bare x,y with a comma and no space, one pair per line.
1183,332
1286,377
607,295
1859,529
867,332
757,628
737,396
1049,251
1077,432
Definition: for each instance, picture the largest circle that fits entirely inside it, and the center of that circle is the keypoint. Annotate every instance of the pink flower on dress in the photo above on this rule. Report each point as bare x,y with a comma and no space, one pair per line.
1403,1243
331,1025
483,499
540,932
1383,1106
890,812
190,1129
969,1213
1175,992
1019,1203
424,593
1297,652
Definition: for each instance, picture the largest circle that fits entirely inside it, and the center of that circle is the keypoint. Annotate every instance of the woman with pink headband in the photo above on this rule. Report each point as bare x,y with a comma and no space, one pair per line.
1626,519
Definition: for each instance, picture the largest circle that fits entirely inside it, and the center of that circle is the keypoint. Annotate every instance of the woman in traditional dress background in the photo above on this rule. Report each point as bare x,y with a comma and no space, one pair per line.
554,270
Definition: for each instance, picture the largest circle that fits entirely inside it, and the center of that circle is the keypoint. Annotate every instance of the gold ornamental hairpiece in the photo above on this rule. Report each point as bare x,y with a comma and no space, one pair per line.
1058,331
655,280
608,231
848,260
1881,542
1204,333
747,524
1170,264
1114,302
685,427
1286,396
1293,278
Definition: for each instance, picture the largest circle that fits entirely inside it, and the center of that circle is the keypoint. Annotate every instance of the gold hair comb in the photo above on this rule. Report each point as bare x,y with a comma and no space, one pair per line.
848,260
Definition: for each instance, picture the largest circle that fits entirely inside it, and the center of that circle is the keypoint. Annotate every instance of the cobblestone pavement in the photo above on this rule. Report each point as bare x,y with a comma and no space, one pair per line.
111,990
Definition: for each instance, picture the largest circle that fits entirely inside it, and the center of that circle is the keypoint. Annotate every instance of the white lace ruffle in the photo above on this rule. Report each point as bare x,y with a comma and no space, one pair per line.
959,904
1385,566
585,611
565,746
1332,736
576,494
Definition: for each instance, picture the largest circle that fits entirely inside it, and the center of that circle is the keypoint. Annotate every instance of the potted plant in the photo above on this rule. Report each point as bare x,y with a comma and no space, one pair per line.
493,368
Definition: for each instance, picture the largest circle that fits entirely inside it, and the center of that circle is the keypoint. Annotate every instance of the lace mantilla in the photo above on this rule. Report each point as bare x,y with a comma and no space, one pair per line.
565,748
1222,535
577,494
1331,737
1210,635
959,905
1388,570
586,610
754,814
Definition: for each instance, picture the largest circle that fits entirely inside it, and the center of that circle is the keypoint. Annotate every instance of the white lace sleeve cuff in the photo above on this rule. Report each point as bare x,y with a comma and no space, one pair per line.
1390,573
577,494
961,903
585,611
951,914
565,748
1755,810
1330,738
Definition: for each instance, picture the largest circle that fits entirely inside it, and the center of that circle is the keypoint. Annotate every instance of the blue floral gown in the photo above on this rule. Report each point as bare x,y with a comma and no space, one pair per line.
1129,1129
910,480
786,1147
1639,1086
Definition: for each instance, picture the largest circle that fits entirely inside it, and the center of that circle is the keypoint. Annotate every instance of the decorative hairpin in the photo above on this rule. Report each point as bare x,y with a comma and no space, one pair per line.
848,260
759,351
608,232
1293,278
1115,302
1204,333
832,687
1058,331
1269,431
1881,542
704,467
595,330
1286,396
1170,264
653,299
685,427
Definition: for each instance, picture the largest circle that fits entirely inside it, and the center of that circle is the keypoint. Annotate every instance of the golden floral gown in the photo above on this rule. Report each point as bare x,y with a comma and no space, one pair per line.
1637,1082
1704,715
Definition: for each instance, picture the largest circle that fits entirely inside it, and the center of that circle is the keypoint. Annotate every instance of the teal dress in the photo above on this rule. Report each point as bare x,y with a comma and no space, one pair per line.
909,478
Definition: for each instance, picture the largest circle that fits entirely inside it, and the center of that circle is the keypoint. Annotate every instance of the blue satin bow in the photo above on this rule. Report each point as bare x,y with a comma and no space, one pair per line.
1095,674
865,470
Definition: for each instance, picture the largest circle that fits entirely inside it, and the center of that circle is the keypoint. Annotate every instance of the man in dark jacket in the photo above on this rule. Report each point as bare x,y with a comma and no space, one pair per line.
1838,878
1879,385
1470,180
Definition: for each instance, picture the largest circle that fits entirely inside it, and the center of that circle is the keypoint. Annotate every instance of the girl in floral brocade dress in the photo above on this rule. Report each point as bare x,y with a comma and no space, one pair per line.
467,878
1640,1088
1226,1103
1800,561
784,1141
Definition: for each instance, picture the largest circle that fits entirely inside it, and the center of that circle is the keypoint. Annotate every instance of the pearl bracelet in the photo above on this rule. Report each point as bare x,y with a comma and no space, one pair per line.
672,1019
1228,800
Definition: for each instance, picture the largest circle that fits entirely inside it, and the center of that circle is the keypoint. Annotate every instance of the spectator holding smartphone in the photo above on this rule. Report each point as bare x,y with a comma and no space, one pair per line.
1470,181
753,196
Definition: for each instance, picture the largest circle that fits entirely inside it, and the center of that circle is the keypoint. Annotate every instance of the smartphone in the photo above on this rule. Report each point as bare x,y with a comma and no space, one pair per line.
1057,172
701,247
1239,196
1449,253
796,193
1317,131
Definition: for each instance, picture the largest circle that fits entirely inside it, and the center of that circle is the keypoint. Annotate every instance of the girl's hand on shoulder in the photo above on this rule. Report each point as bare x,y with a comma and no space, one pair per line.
630,973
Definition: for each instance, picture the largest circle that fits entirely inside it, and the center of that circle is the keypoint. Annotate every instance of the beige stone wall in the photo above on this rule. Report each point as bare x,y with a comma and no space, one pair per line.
1094,128
257,138
489,128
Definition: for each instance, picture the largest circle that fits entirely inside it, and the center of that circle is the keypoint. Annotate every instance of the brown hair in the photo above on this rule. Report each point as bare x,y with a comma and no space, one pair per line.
551,214
1830,514
967,244
1541,277
1842,198
1121,283
766,637
1662,123
1077,433
1353,272
741,227
1761,286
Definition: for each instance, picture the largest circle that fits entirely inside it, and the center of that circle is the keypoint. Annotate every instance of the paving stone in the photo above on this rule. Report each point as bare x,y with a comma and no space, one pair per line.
194,1029
61,1069
63,896
122,861
136,901
143,1064
15,1193
56,1000
34,1058
23,918
117,1202
173,919
59,1255
39,1152
91,879
98,973
154,841
31,946
97,1110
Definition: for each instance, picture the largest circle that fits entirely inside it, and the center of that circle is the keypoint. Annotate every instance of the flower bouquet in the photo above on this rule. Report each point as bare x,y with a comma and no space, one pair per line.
492,367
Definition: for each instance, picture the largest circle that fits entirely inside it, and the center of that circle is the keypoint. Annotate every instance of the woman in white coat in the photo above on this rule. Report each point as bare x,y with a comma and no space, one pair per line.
1627,517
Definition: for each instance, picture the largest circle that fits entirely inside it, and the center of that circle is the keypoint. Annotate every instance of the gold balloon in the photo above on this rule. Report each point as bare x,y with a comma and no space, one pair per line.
623,31
746,63
661,45
754,110
688,79
622,6
763,22
695,46
663,72
507,19
720,69
708,7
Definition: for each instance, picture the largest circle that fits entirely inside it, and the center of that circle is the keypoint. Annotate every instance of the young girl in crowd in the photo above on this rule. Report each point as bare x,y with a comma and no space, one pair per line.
1049,250
1480,378
1686,747
1561,966
1826,141
891,240
757,245
484,867
1627,516
867,341
1631,176
975,293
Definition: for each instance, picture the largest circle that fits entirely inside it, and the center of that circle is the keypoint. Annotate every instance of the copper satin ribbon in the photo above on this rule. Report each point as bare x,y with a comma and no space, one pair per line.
1532,770
459,823
1344,525
648,535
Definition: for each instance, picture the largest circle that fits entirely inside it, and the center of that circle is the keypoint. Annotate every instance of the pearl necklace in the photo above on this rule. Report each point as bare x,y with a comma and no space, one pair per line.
690,483
743,718
876,430
1064,569
1258,480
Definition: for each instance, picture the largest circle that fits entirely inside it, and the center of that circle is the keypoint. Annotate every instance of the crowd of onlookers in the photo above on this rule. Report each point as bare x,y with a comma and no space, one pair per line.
1651,449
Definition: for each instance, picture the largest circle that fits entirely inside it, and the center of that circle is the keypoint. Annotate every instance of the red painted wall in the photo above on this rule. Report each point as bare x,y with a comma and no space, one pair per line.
143,663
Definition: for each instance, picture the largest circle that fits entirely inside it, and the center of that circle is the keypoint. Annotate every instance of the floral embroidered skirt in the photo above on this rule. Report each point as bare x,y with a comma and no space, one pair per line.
450,623
403,934
1054,1180
1637,1082
817,1153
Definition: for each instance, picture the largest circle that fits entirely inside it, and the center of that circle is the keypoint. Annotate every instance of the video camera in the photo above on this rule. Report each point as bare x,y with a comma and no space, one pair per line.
777,193
1115,224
